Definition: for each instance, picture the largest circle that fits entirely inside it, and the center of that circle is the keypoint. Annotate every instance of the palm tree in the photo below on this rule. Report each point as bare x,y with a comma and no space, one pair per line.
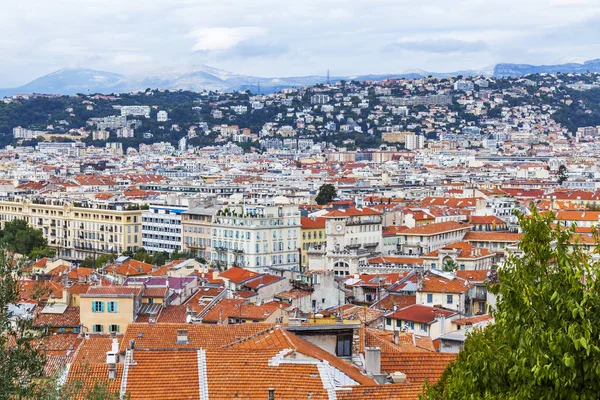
449,265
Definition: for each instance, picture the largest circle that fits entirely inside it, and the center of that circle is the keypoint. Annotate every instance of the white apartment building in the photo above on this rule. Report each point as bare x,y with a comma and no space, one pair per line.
319,99
257,236
162,116
161,229
141,111
414,142
427,238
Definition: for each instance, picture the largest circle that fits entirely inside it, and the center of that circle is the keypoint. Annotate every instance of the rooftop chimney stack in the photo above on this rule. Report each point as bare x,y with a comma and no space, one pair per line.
396,337
112,371
271,394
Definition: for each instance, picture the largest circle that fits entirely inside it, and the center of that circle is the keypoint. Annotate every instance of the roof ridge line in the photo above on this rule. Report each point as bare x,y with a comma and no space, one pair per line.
239,341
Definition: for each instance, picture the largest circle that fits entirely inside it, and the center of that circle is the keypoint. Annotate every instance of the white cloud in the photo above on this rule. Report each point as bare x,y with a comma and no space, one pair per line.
125,59
220,38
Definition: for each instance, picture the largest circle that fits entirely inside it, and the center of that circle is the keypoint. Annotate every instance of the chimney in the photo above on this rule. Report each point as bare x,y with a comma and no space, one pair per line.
112,358
182,336
271,394
373,360
112,371
396,337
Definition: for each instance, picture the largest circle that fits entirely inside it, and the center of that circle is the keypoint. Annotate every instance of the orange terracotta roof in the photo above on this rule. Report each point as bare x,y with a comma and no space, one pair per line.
464,250
238,275
113,291
351,212
164,335
418,367
70,318
437,228
309,223
438,284
402,391
473,275
396,260
420,313
130,268
278,338
492,237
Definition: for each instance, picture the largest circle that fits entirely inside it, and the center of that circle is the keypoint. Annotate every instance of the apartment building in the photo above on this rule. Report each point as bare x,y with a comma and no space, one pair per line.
427,238
79,230
256,236
196,234
313,235
161,229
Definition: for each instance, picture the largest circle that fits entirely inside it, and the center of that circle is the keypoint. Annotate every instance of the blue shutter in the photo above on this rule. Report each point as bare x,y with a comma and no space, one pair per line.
101,306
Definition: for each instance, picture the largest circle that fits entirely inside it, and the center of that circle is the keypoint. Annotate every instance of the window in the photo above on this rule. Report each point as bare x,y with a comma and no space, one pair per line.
112,306
62,330
344,346
449,299
388,321
98,328
424,327
76,330
429,298
113,328
97,306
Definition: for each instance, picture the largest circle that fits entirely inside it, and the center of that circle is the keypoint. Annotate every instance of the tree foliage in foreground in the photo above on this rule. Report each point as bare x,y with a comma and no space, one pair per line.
17,236
545,342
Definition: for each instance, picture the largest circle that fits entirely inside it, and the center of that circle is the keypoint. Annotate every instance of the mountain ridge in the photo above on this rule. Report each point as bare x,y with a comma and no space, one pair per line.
70,81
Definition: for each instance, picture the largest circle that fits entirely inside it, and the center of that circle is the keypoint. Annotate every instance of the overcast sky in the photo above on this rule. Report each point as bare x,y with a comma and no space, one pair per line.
286,38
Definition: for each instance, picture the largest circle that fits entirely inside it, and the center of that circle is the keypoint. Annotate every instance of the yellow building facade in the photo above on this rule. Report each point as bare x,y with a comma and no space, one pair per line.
78,230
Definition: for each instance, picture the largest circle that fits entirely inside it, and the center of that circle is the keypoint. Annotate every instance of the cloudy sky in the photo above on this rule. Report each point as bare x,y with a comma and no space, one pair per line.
286,38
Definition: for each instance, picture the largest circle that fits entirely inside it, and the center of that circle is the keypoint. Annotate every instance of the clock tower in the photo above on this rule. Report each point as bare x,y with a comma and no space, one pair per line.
336,230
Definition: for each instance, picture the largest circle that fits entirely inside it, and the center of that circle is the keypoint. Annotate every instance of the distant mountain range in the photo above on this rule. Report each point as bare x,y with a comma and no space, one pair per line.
203,77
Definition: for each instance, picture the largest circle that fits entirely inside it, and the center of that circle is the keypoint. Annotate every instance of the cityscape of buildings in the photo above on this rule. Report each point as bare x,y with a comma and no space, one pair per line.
367,294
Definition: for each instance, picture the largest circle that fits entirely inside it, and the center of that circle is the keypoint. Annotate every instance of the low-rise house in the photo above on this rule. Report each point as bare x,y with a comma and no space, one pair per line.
107,309
444,289
421,320
459,256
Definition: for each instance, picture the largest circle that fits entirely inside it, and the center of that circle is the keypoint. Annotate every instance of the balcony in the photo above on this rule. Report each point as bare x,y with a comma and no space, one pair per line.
302,285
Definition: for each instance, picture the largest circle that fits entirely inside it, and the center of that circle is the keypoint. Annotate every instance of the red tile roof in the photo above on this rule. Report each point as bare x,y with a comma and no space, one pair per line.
351,212
401,391
421,314
473,275
309,223
418,367
113,291
238,275
437,228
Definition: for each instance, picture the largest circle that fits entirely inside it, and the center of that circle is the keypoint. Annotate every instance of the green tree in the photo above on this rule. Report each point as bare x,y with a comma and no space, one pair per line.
561,175
326,194
160,258
545,341
104,259
17,236
22,362
450,265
